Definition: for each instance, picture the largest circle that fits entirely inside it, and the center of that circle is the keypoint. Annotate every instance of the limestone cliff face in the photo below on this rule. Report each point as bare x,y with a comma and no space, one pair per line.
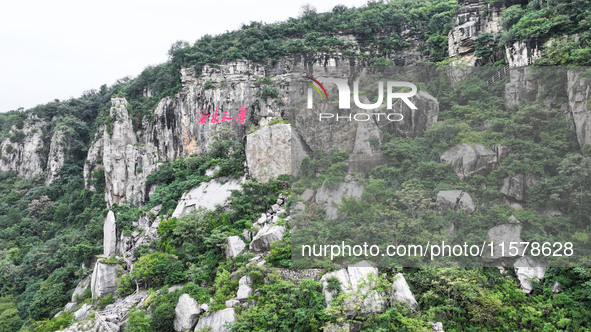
57,155
20,150
579,94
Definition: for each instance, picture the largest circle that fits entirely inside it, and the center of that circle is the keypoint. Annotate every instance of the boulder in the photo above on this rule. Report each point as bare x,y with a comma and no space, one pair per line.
217,321
186,313
516,187
265,236
505,234
274,150
207,195
104,279
235,246
467,160
437,327
401,292
244,289
308,195
231,303
556,287
528,270
332,197
109,235
455,200
359,281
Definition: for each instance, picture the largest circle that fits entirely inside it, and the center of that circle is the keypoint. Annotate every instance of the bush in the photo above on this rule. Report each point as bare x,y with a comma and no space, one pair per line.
125,286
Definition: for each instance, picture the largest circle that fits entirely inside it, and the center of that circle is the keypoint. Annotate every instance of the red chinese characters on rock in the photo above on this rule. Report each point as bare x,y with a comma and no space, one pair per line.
240,118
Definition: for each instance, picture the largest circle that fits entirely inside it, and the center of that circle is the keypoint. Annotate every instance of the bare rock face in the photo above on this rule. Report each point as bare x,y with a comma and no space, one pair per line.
104,279
415,122
21,153
468,25
517,186
401,292
579,92
528,270
109,235
359,281
274,150
467,160
521,87
186,312
217,321
57,155
265,236
83,312
235,246
454,200
332,197
506,234
522,53
207,196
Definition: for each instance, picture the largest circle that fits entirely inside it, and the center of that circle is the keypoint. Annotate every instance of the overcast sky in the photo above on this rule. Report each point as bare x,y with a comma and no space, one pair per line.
59,49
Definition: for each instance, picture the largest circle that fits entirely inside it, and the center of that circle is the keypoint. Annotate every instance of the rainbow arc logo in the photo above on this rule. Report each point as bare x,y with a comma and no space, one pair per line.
316,88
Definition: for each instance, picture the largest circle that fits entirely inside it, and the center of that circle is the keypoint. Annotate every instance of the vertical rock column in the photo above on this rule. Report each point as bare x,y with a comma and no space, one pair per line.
104,276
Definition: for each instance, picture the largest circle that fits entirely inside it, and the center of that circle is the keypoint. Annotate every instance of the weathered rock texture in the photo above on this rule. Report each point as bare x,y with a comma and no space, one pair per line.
331,197
265,236
104,279
359,281
467,160
217,321
517,186
579,94
235,246
401,292
528,270
206,196
109,235
455,200
21,154
274,150
57,155
187,313
505,234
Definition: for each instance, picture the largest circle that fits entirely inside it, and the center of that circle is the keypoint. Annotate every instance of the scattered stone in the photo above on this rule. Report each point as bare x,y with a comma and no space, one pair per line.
437,327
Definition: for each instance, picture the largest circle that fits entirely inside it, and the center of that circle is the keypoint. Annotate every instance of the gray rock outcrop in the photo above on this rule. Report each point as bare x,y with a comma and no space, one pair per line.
467,160
455,200
57,156
83,312
235,246
20,150
505,234
244,289
81,288
109,235
218,321
104,279
359,281
207,195
401,292
266,236
415,122
332,197
187,313
579,94
528,270
274,150
516,187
